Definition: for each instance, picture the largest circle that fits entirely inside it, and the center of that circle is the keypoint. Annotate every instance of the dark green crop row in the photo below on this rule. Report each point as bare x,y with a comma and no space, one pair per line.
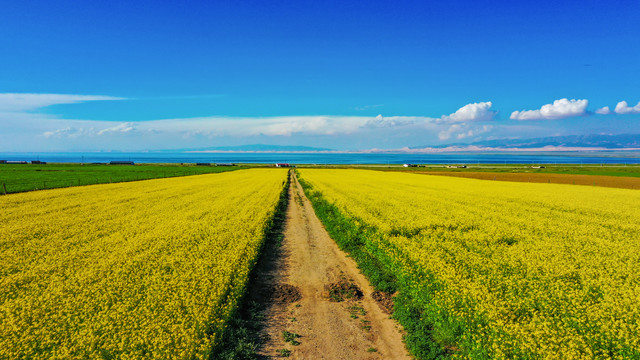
26,177
241,338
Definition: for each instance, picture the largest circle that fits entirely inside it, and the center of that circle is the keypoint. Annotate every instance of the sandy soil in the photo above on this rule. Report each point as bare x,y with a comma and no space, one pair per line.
590,180
311,261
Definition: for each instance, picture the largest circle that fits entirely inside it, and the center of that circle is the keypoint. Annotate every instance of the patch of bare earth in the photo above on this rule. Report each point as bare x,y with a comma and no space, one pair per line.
343,290
570,179
331,314
285,294
385,300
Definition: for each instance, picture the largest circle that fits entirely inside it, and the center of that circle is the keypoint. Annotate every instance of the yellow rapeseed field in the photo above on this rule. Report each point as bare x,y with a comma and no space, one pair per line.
503,270
148,269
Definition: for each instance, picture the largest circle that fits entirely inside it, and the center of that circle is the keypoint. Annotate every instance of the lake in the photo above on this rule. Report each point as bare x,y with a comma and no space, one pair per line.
335,158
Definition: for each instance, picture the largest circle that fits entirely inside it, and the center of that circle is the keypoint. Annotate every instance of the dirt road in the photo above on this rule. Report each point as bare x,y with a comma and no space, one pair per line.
314,323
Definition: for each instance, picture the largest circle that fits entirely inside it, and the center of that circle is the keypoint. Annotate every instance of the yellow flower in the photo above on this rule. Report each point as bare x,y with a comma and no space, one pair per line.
141,269
552,270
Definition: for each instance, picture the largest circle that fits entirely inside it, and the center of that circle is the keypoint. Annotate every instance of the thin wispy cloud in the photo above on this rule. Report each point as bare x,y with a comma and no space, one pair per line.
240,126
560,109
67,132
22,122
15,102
396,121
462,131
368,107
119,129
324,125
89,129
465,122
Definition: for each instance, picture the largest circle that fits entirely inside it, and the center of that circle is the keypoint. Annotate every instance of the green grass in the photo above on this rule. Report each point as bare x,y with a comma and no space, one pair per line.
291,337
283,352
430,333
422,342
27,177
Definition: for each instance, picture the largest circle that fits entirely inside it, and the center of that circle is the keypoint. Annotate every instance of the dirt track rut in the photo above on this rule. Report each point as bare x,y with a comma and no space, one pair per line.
351,329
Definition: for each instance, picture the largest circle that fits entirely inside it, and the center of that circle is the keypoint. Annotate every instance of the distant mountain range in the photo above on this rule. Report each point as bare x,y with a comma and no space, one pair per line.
573,141
261,148
552,143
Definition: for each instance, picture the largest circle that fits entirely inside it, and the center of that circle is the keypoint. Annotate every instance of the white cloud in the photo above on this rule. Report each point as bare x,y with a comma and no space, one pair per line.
603,111
14,106
121,128
475,131
471,112
287,125
623,108
446,134
560,109
463,130
69,132
394,121
11,102
220,126
273,126
213,127
24,127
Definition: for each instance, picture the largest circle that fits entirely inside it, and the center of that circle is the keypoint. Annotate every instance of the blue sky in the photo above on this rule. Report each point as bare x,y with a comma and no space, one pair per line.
118,75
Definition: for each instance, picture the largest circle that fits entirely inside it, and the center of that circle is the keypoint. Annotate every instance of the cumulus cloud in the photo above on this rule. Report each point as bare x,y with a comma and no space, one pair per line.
623,108
11,102
603,111
560,109
462,121
474,112
471,112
